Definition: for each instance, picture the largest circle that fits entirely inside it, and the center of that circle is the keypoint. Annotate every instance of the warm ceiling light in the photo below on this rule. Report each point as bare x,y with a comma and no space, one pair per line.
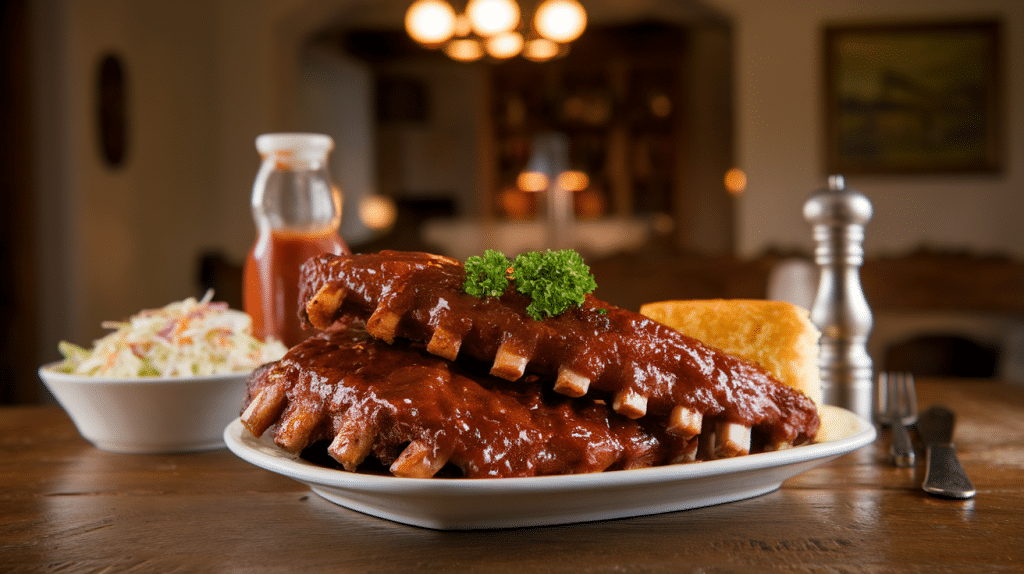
463,27
540,50
430,21
500,24
735,181
378,212
532,181
464,50
490,17
560,20
505,45
573,180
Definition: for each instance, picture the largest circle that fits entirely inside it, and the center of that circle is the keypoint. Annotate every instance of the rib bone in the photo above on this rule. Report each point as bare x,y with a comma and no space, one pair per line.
684,421
324,304
352,443
296,429
630,403
571,383
383,323
732,439
444,343
509,361
264,409
418,460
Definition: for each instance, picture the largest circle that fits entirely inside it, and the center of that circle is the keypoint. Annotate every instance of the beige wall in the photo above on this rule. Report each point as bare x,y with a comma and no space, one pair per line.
779,133
114,240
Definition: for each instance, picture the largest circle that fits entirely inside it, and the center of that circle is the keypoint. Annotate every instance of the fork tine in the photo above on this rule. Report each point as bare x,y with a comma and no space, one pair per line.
882,402
910,413
891,407
895,406
899,396
901,399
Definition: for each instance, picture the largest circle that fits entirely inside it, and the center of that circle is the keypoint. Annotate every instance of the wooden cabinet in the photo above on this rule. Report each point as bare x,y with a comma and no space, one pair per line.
618,98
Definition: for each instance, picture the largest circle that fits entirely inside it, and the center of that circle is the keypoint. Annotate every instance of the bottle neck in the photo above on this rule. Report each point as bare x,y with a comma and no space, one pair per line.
295,193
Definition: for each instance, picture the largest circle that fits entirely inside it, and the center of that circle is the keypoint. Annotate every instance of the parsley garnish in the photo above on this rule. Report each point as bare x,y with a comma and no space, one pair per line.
553,280
487,276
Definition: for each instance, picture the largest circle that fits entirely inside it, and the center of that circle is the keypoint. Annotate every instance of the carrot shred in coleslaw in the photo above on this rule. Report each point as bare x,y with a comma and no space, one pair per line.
183,339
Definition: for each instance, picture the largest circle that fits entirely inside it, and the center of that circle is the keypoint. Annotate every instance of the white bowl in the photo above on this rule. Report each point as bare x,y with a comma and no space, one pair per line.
151,414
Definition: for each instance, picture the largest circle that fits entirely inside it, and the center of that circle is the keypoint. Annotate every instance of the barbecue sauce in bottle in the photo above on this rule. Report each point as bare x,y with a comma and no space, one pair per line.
297,212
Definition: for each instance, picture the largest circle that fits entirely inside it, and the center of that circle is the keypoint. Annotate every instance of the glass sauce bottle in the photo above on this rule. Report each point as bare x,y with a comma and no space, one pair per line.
297,213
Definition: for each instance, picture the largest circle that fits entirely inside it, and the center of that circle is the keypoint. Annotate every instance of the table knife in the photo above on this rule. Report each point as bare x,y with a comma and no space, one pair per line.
945,476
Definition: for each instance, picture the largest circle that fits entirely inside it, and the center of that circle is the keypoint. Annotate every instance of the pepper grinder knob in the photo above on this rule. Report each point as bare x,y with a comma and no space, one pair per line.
838,215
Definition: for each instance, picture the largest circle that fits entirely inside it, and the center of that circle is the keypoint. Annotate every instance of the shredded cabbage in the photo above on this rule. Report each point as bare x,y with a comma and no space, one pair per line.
183,339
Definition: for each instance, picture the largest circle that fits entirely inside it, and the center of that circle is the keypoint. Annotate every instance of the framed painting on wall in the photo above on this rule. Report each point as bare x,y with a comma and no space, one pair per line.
913,98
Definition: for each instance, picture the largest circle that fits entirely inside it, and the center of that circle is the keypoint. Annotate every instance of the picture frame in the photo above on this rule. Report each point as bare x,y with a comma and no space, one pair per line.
913,98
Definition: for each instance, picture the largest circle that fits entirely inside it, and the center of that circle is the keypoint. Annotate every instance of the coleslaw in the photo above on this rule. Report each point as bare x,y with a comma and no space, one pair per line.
183,339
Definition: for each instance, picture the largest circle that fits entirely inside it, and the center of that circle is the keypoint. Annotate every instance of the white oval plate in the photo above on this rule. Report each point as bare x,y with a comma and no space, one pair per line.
463,504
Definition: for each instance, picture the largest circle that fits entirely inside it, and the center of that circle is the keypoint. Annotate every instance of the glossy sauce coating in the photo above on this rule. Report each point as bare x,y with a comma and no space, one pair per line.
615,348
488,427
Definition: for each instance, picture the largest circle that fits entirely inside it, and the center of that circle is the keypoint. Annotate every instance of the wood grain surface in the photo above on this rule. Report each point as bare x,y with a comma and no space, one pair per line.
66,506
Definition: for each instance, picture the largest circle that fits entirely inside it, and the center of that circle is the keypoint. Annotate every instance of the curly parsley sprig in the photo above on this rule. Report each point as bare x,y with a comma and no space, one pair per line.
553,280
487,275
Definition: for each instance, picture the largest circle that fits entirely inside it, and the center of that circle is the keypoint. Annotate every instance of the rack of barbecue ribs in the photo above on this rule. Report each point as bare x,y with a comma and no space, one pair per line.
419,414
642,369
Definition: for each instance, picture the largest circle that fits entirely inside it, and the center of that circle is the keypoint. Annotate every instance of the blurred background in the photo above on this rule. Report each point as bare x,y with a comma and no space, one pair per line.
700,127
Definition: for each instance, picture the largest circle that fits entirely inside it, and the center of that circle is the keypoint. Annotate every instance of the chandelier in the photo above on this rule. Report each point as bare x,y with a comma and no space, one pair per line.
496,28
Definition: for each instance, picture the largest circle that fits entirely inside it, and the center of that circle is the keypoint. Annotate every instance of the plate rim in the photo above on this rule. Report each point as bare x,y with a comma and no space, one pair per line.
265,454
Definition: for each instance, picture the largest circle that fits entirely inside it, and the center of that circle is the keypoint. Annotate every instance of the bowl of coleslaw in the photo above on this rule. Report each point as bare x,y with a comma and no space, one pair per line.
165,380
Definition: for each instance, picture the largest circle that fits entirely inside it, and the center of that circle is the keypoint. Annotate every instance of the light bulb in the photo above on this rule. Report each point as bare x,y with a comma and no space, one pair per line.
532,181
490,17
560,20
463,26
540,50
430,21
464,50
735,181
573,180
504,45
378,212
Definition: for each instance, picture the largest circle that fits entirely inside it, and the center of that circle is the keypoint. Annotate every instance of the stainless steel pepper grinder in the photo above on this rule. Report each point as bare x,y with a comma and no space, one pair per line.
838,215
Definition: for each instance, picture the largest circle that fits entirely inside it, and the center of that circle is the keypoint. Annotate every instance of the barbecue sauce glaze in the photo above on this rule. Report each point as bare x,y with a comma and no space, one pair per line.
613,347
484,426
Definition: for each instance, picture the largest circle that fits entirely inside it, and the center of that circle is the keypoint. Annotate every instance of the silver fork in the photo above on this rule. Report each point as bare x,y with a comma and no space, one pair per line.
899,410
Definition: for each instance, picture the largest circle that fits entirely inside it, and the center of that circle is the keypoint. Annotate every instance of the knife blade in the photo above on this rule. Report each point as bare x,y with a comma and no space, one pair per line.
945,476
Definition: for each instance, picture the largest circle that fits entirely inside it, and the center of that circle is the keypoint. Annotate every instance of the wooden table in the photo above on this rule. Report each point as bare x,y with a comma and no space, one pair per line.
67,507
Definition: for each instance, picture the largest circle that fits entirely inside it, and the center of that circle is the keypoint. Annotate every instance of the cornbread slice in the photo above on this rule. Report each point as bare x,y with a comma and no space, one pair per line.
777,335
